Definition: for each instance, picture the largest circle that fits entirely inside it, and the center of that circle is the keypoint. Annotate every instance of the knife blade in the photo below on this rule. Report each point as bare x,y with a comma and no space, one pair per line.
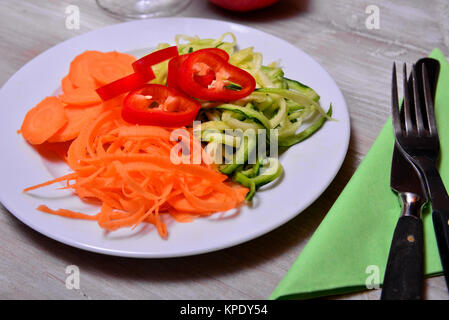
403,278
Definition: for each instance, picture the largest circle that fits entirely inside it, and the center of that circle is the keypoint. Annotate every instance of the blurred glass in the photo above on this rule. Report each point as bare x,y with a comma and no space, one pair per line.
141,9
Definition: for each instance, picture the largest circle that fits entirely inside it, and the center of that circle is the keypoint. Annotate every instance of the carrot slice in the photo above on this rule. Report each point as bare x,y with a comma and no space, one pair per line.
124,58
44,120
79,69
67,85
82,96
78,118
111,68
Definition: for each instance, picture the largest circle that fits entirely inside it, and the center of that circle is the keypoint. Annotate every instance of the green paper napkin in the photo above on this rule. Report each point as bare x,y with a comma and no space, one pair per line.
353,241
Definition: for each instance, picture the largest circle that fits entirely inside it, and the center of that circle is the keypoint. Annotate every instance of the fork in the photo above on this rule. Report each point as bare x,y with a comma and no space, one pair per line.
417,135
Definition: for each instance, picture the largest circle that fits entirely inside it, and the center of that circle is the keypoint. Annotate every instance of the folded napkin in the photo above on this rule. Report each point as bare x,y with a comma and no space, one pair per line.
352,243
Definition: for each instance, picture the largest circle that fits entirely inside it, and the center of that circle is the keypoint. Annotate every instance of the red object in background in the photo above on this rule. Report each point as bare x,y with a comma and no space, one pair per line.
243,5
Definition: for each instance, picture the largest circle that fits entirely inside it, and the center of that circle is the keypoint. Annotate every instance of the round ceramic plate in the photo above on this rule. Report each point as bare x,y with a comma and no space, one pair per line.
309,166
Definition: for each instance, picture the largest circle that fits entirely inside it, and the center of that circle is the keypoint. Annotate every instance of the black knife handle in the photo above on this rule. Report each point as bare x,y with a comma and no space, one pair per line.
404,273
441,226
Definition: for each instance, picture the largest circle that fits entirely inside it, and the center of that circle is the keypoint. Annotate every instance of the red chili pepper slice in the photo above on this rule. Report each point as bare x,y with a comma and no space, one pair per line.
144,64
175,64
224,74
159,105
129,83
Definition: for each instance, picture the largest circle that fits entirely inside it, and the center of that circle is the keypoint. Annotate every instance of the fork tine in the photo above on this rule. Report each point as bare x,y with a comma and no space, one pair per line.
407,111
417,103
429,102
395,104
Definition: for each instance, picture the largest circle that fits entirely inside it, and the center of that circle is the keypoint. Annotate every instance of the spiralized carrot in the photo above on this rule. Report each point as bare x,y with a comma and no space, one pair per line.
129,170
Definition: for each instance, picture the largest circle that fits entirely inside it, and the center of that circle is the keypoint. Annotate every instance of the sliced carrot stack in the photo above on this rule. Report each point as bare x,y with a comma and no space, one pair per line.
88,71
91,70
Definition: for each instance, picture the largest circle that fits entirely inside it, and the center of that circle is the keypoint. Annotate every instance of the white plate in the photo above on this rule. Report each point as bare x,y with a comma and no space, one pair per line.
309,166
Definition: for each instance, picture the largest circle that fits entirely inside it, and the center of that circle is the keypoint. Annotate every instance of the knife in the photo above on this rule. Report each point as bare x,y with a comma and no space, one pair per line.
404,272
403,278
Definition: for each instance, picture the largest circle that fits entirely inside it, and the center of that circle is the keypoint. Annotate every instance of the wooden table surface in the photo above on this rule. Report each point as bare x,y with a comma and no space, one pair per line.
334,33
